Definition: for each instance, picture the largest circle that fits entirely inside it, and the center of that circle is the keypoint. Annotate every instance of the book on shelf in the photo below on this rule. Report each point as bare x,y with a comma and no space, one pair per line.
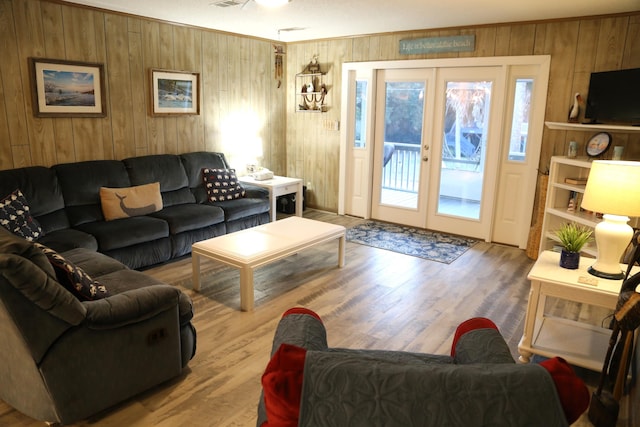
576,181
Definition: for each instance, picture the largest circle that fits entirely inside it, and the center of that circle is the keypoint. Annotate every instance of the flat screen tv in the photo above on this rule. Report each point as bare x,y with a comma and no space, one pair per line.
614,97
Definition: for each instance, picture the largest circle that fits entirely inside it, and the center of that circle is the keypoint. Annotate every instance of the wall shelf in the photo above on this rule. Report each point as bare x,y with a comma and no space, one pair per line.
310,102
598,127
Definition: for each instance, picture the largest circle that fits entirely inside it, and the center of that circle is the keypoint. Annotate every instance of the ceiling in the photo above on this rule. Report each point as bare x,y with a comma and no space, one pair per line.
302,20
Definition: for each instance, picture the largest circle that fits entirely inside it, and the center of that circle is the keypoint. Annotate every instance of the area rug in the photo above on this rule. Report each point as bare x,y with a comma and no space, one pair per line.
413,241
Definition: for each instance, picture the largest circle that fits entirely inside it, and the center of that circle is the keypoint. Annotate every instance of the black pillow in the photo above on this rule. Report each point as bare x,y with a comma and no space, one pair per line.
222,184
73,278
15,217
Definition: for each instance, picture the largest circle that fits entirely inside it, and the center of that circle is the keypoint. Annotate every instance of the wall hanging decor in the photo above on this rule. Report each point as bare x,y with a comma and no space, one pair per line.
279,68
174,92
311,89
67,88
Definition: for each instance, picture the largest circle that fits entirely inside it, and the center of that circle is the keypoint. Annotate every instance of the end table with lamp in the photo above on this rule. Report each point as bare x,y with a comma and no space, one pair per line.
612,188
581,344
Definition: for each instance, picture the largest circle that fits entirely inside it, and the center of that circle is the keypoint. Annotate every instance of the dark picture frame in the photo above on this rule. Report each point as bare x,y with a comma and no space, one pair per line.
63,88
174,92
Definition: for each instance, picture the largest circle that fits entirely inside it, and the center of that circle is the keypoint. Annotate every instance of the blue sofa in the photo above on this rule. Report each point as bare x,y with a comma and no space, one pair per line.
65,200
64,357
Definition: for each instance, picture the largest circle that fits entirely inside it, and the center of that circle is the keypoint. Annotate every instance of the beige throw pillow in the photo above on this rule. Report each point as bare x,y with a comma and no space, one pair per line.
130,201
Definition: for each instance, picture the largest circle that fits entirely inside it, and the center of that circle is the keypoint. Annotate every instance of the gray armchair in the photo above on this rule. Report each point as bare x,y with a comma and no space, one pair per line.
63,359
308,383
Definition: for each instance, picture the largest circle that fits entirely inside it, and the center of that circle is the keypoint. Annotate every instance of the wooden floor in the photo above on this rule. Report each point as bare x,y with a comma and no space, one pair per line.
380,299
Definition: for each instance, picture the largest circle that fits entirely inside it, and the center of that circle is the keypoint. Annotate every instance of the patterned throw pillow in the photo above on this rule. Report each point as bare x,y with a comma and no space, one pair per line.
222,184
15,217
73,278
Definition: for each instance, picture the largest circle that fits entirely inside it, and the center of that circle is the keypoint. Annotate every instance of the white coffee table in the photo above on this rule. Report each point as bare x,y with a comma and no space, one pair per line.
278,186
254,247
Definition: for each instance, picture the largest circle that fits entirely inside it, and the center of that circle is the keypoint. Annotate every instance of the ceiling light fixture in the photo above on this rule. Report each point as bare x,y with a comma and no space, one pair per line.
272,3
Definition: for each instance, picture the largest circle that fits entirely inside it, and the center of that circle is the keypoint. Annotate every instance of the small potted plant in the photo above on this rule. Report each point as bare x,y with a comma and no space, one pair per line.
572,238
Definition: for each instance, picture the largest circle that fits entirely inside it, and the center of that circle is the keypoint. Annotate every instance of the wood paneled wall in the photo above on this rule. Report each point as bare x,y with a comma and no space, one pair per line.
577,48
236,77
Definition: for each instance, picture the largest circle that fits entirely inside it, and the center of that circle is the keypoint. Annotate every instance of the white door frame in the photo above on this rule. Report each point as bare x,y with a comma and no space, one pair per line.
369,68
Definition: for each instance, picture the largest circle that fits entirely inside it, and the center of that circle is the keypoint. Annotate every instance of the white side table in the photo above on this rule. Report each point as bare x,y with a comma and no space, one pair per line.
579,343
278,186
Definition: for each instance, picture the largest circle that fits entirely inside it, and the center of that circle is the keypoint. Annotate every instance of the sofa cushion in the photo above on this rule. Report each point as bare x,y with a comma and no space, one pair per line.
38,184
67,239
73,278
196,161
130,201
241,208
189,217
222,184
125,232
81,184
15,216
94,264
167,169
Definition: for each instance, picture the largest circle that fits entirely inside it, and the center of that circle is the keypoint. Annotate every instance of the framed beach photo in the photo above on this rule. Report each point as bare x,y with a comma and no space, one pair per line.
67,88
174,92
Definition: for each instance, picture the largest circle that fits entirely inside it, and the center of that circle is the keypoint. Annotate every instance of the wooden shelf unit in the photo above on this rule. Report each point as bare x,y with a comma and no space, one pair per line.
558,195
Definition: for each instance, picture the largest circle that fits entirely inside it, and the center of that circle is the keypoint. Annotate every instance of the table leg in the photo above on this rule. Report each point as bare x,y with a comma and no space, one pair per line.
273,200
246,289
341,249
299,199
533,306
195,266
525,356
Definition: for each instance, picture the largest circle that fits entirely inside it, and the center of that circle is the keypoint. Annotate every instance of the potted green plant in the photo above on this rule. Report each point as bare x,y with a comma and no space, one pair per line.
572,238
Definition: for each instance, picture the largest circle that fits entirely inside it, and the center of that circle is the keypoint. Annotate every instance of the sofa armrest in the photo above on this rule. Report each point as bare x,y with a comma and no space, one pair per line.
255,192
298,327
130,307
482,346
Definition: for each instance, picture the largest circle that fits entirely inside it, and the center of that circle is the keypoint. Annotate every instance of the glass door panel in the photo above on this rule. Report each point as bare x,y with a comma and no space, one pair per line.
403,122
360,119
520,122
466,118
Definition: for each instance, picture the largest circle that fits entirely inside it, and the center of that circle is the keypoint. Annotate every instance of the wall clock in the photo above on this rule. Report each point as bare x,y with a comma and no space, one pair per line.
598,144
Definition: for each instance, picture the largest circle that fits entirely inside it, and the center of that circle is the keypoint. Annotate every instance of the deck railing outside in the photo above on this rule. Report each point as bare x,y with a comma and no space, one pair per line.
401,171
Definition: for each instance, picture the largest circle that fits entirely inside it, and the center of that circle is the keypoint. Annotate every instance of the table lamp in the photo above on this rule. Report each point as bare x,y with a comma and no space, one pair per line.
613,188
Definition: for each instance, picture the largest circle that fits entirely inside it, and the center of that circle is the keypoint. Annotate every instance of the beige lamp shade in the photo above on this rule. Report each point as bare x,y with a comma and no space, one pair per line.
613,188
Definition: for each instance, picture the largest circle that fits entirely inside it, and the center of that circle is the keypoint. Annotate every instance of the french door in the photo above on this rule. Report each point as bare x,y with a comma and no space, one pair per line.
402,143
432,155
451,145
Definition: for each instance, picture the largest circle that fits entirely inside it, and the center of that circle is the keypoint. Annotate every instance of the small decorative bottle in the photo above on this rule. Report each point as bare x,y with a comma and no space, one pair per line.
573,149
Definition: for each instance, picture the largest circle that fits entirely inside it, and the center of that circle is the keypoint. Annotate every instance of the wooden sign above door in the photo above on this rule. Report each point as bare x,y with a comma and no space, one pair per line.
466,43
